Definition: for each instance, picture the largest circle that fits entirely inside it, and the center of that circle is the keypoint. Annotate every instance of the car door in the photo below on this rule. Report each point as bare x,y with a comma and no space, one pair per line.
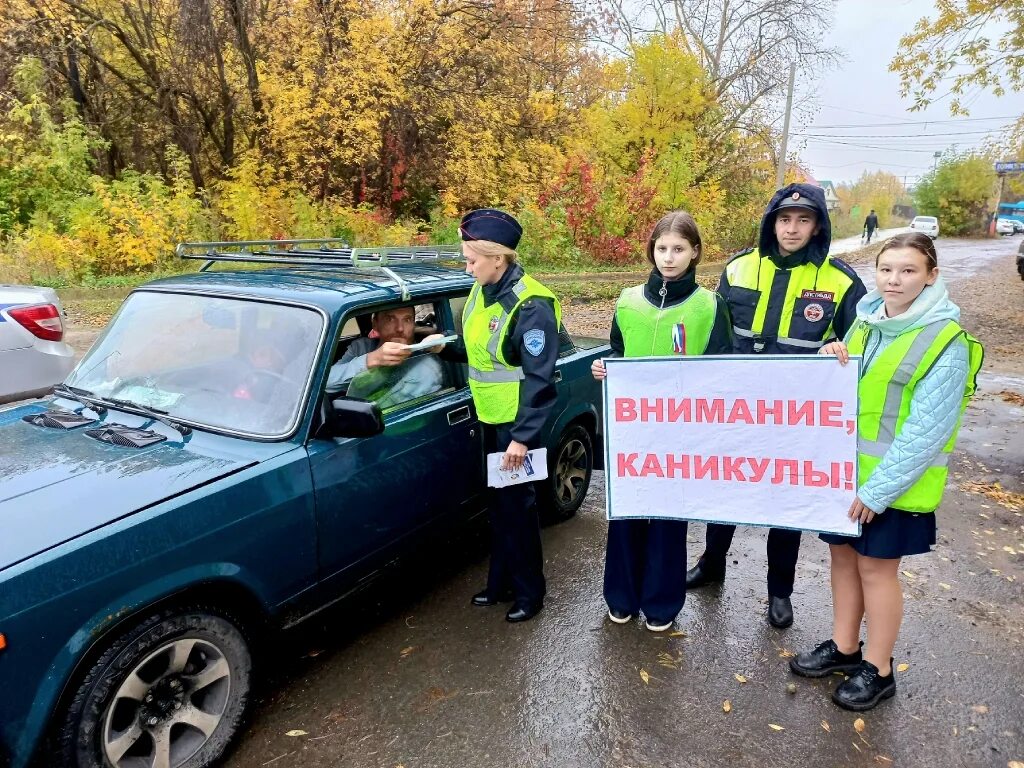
372,494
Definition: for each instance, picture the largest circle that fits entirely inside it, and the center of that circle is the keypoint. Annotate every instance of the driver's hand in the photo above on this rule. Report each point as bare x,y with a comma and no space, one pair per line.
431,337
388,354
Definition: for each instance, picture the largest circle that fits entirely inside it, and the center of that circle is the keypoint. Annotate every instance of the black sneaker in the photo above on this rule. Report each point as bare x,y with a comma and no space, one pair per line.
824,660
865,688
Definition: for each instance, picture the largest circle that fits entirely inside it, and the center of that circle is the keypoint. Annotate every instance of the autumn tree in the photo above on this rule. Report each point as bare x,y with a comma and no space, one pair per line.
960,192
956,51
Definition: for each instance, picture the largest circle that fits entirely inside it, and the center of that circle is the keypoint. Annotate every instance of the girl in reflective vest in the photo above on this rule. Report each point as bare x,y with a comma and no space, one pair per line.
645,560
918,371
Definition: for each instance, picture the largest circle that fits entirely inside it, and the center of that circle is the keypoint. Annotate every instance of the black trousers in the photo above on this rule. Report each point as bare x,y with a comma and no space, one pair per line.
783,550
517,562
645,568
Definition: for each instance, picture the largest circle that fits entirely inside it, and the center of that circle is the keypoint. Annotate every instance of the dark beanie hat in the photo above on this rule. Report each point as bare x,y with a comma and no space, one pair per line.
491,224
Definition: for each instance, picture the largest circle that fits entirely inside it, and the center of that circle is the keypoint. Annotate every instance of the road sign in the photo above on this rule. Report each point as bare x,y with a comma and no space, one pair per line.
1014,166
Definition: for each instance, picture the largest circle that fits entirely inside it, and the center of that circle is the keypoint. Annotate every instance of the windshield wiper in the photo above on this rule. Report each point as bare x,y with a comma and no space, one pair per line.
79,396
153,413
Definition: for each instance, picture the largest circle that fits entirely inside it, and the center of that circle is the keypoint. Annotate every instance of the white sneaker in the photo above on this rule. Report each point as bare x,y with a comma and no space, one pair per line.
619,618
658,627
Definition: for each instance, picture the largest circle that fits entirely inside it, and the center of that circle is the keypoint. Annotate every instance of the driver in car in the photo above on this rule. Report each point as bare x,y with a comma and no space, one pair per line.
380,367
266,363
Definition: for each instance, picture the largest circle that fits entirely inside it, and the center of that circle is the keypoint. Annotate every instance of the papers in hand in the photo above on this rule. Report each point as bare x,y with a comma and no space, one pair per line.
535,467
430,343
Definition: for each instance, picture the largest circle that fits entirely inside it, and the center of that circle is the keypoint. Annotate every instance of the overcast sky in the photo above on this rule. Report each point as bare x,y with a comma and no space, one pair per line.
864,93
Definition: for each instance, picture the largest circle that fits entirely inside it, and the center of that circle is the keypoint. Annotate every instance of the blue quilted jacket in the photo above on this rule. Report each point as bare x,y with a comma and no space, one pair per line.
935,406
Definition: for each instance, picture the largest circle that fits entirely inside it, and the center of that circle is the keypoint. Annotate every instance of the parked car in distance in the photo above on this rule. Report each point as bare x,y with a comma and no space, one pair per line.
1018,226
33,353
1020,260
928,225
193,489
1004,227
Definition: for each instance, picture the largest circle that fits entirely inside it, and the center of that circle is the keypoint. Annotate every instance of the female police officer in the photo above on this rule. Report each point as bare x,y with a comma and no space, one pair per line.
510,339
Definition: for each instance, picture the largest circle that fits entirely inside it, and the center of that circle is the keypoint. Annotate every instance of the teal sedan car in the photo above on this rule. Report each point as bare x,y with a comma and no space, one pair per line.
192,487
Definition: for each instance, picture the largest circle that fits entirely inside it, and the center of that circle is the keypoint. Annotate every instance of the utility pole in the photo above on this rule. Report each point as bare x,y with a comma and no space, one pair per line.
780,174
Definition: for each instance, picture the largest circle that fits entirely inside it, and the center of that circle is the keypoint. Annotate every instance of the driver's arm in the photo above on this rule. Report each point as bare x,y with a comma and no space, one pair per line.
351,364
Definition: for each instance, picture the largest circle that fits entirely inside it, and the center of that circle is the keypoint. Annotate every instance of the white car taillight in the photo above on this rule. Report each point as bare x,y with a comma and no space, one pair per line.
41,320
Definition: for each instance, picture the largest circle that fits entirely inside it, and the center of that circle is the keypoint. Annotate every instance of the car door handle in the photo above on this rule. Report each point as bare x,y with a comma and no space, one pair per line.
458,416
558,376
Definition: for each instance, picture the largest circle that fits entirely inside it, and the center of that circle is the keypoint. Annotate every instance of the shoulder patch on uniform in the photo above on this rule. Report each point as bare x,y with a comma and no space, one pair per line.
842,266
737,255
534,341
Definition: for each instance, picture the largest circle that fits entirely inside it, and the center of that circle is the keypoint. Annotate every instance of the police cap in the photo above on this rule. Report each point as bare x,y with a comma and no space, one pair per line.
491,224
795,200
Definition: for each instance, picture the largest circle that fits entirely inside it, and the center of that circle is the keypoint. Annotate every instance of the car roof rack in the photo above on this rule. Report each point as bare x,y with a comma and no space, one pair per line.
319,252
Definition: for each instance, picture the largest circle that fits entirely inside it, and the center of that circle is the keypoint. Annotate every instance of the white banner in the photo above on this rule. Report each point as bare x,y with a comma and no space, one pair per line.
747,439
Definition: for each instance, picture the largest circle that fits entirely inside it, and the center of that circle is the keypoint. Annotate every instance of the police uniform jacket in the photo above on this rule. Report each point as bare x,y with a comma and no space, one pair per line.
790,304
676,292
537,394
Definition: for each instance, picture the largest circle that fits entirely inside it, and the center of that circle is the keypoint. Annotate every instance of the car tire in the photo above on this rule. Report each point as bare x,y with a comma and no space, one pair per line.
177,684
570,466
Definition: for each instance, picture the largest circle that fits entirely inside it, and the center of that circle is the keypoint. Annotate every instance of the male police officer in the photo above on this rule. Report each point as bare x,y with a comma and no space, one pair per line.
788,296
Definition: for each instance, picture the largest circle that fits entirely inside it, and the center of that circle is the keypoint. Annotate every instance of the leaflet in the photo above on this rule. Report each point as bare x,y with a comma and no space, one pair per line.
430,343
535,467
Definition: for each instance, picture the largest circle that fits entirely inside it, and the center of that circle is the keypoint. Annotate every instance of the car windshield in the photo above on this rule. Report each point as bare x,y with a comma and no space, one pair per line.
224,363
926,219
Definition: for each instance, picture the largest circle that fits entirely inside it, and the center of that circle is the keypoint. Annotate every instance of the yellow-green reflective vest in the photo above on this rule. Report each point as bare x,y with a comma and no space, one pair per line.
805,321
682,329
885,391
493,382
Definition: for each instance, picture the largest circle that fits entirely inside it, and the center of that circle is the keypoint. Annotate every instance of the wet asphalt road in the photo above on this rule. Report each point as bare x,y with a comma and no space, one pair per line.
411,675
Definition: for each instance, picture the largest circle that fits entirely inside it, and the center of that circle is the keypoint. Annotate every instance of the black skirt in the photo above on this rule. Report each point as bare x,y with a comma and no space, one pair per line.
892,534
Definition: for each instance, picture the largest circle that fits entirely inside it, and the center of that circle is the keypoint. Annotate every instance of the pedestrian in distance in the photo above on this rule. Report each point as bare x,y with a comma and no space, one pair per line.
918,371
787,296
645,560
870,225
510,331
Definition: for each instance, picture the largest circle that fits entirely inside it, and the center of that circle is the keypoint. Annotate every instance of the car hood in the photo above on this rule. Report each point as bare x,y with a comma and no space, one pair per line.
58,484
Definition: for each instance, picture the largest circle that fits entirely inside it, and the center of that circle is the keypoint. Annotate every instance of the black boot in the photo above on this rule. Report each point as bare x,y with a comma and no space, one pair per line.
485,598
824,660
524,612
702,574
780,611
865,688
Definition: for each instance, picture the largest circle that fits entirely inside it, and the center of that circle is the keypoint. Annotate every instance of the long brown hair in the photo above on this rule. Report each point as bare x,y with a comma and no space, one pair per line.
678,223
917,241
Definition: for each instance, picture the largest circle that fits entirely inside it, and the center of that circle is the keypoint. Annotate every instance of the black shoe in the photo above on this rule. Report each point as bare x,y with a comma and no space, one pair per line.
619,617
865,688
485,598
824,660
780,611
519,613
701,575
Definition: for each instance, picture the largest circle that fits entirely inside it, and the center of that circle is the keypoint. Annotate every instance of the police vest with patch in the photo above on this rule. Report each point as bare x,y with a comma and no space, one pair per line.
783,310
681,329
886,390
493,381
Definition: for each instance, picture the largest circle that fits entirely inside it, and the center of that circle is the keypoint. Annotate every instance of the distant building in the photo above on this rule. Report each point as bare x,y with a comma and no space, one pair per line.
831,198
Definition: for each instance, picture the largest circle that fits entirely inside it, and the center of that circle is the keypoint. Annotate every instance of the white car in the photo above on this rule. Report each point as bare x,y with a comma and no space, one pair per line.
927,225
33,353
1004,227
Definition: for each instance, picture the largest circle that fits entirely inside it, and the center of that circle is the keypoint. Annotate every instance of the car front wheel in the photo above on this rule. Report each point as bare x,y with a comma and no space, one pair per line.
170,693
569,470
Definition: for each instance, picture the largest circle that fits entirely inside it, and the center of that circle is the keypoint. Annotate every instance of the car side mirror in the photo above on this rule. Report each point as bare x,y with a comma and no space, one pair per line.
350,417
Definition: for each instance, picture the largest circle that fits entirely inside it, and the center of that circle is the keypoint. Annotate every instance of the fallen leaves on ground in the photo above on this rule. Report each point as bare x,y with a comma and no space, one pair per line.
1015,764
669,660
882,759
407,650
785,653
1012,501
826,726
858,725
775,727
981,709
1012,397
727,706
740,678
645,676
902,667
944,586
296,732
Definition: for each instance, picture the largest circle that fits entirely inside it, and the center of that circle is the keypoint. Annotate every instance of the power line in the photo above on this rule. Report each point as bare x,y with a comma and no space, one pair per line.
920,122
890,135
872,146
